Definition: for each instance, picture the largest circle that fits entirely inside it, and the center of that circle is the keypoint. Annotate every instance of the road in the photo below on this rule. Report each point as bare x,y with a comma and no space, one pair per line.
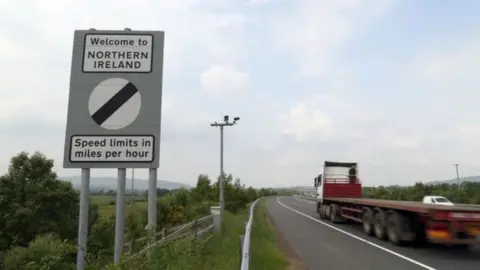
323,245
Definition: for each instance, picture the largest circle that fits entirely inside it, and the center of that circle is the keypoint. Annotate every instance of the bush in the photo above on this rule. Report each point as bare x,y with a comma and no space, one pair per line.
101,240
135,222
45,252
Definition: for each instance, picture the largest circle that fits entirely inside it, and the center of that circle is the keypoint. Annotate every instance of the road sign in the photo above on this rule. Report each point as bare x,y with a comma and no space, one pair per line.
115,100
114,103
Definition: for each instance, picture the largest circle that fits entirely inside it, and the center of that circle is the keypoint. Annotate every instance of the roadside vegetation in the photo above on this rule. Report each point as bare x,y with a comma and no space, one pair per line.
265,247
466,193
38,228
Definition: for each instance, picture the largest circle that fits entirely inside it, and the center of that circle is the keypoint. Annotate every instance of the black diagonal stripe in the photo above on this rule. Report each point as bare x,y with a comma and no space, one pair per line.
109,108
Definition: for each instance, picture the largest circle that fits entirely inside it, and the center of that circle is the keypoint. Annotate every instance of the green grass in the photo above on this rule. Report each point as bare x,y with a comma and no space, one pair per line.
103,199
264,251
106,208
222,251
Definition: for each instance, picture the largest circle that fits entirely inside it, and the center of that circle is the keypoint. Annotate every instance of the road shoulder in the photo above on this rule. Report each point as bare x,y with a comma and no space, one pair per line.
284,246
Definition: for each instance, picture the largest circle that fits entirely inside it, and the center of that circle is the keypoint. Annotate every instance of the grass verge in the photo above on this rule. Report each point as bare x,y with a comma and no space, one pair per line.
222,251
265,253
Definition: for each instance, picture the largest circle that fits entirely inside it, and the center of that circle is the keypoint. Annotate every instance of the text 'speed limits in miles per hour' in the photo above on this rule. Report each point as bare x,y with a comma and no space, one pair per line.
112,148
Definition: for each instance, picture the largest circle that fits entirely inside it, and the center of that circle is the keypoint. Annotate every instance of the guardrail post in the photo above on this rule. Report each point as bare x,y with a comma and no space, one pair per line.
215,211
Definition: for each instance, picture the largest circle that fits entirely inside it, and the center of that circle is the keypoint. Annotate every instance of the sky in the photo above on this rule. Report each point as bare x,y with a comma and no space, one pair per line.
392,85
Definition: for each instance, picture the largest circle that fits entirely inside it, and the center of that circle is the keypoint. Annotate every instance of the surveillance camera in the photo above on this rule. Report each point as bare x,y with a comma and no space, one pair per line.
225,118
236,118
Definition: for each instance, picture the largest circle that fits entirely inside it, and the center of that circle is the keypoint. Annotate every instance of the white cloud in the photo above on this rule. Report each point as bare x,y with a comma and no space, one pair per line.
288,126
448,64
258,2
407,141
219,80
301,122
315,31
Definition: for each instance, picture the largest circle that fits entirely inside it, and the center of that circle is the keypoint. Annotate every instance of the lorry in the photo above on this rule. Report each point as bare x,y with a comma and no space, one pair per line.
339,199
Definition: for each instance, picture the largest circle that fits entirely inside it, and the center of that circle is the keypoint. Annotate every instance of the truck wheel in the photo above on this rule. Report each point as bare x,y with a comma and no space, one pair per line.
333,213
394,230
319,210
368,221
379,225
327,211
324,211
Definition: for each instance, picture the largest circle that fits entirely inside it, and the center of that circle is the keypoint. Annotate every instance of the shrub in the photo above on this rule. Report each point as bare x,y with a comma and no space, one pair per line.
102,239
44,252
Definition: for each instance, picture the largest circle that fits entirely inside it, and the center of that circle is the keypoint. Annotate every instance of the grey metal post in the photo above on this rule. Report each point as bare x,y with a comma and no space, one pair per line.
120,210
83,219
120,214
131,192
152,202
221,180
222,196
458,175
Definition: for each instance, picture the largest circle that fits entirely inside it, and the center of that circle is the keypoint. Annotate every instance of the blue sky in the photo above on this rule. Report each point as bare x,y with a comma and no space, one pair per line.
390,84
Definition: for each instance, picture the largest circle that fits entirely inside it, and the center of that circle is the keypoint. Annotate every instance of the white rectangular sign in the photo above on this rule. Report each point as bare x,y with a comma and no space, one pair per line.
126,53
215,210
112,148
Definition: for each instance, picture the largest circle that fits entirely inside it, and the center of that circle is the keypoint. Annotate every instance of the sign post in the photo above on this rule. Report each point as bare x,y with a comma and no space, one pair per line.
114,115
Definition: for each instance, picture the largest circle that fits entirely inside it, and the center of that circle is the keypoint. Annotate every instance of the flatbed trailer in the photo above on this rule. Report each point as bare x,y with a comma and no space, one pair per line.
400,222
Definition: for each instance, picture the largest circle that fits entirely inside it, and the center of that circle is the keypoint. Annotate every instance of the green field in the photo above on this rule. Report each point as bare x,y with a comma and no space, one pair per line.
106,204
103,199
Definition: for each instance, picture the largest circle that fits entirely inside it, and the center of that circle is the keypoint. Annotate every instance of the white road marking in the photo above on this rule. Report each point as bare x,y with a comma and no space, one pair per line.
358,238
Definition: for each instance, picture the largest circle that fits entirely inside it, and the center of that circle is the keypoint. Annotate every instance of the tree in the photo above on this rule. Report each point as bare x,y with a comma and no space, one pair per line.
203,190
33,202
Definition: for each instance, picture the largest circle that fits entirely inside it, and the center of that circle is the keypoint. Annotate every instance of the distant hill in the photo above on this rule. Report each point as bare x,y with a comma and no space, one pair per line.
454,181
98,183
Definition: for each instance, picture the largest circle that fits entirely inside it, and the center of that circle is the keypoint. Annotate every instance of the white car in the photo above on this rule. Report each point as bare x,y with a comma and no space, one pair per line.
437,200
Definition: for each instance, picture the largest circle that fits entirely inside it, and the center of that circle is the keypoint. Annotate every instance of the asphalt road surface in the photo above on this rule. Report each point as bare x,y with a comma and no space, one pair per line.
321,245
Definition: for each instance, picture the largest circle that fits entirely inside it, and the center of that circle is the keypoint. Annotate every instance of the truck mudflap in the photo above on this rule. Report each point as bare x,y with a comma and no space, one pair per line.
454,228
